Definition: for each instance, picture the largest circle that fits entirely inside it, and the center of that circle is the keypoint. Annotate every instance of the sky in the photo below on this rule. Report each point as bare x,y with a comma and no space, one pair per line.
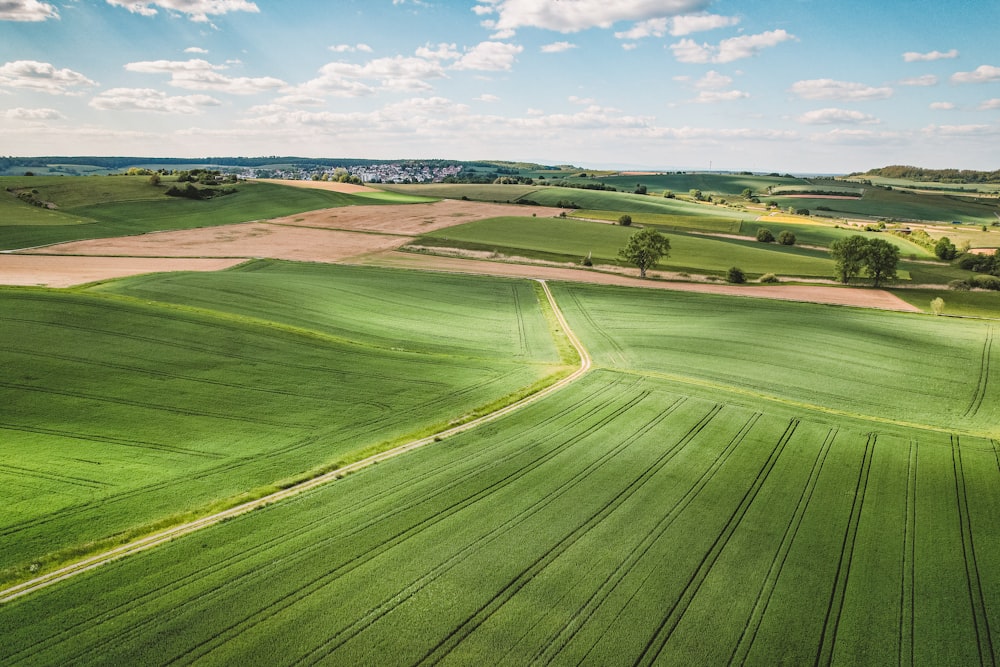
796,86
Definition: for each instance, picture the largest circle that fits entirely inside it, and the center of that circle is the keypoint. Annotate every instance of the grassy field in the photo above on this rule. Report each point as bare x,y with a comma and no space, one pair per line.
571,240
143,401
726,185
978,303
662,510
99,207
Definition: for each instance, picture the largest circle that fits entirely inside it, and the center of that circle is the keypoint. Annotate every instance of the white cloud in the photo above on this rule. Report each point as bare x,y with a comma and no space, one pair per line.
26,11
576,15
489,56
202,75
197,10
557,47
196,50
833,116
486,97
442,52
914,57
942,106
650,28
397,73
925,80
828,89
857,137
728,50
982,74
41,77
714,96
961,130
147,99
299,101
33,114
349,48
630,46
990,105
582,101
685,25
713,81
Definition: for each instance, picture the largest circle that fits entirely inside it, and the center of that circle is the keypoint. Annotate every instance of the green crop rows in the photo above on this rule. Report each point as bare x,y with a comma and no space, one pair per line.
737,482
122,411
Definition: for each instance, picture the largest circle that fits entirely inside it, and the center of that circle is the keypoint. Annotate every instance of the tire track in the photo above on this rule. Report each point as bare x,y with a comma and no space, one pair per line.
984,375
558,641
656,643
835,606
907,606
763,600
377,613
484,612
977,600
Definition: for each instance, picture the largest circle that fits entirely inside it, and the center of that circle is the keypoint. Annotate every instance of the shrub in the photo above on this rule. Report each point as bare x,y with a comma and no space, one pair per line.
764,235
587,261
786,238
959,285
769,278
937,306
985,282
625,220
735,275
945,249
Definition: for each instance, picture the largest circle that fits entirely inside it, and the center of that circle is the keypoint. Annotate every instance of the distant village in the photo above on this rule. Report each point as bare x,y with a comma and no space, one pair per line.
388,172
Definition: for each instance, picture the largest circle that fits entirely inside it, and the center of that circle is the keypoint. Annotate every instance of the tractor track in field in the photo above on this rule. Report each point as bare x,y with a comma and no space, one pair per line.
162,537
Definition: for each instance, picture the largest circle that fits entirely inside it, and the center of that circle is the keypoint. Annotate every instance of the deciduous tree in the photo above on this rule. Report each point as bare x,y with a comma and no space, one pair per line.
645,248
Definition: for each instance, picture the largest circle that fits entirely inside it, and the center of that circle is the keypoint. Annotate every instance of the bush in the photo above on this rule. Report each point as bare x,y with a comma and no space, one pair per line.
959,285
625,220
587,261
764,235
769,278
945,249
937,306
985,282
735,275
786,238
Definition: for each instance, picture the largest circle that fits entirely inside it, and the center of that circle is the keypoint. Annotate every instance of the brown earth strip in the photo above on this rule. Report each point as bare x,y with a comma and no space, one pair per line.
38,270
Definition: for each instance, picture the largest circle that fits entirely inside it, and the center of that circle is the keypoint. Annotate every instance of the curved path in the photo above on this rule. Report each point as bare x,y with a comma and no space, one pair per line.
156,539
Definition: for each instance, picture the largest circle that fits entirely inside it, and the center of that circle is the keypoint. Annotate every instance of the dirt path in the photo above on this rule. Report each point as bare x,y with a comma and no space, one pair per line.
840,296
162,537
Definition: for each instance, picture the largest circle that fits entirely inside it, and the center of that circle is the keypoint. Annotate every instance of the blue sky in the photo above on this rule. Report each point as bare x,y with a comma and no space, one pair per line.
796,85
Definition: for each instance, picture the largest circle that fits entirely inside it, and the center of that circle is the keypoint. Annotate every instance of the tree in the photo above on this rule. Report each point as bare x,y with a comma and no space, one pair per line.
625,220
640,189
645,248
945,249
154,179
786,238
764,235
736,275
880,260
747,193
697,194
849,255
937,306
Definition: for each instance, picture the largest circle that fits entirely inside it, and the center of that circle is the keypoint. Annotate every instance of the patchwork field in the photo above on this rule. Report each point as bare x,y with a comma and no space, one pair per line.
636,517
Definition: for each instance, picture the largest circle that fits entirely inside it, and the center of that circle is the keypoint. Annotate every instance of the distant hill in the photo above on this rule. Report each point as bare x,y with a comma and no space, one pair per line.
934,175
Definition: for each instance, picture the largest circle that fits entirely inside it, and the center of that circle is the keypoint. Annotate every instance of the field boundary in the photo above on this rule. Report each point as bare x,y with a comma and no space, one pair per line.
156,539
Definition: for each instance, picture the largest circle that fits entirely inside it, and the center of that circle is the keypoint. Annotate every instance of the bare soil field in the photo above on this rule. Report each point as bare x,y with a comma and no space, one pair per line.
412,219
841,296
47,271
246,240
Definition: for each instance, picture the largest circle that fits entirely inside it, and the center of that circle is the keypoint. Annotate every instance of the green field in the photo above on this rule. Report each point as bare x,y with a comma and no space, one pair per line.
733,484
571,240
144,401
99,207
727,185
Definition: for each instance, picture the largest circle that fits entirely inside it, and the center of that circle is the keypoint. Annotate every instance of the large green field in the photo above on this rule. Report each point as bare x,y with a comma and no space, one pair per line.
103,206
571,240
144,401
731,485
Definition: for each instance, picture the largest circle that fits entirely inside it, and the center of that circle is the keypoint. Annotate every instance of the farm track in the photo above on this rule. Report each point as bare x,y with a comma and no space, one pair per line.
165,536
907,606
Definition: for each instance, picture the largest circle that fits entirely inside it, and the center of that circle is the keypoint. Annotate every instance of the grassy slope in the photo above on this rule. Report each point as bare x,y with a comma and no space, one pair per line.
571,240
129,205
122,411
789,531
